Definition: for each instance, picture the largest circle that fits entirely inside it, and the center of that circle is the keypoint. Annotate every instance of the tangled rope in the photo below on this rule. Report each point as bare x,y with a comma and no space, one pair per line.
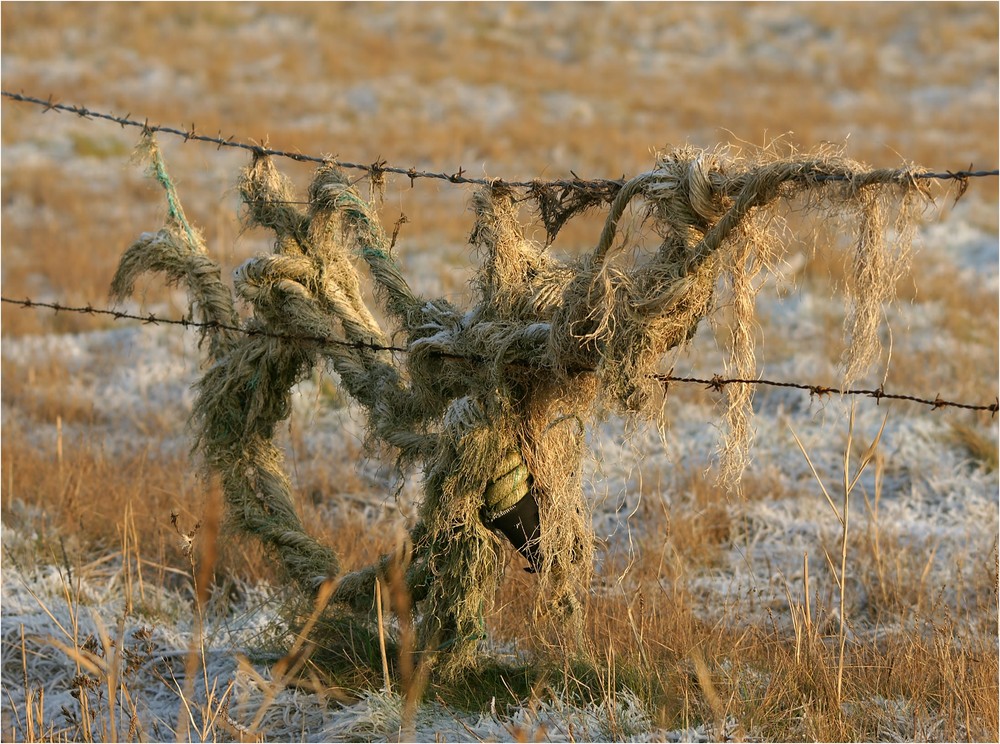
554,342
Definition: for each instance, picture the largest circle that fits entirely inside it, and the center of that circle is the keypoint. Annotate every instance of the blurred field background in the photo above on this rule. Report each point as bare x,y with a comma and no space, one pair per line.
94,448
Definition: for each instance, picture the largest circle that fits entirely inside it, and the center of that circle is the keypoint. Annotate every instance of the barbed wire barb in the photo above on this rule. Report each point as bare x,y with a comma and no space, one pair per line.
716,383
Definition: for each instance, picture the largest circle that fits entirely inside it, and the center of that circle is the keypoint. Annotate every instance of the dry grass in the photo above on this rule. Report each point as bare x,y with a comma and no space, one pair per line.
84,494
928,673
761,681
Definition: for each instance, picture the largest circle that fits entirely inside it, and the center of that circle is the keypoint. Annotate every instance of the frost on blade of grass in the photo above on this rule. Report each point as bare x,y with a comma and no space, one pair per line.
378,716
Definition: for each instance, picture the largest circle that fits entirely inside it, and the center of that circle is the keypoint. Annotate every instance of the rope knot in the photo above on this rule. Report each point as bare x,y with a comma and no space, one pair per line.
702,195
688,187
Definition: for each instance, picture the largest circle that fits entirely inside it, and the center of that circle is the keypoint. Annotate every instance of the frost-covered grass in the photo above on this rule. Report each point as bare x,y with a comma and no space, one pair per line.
700,623
697,619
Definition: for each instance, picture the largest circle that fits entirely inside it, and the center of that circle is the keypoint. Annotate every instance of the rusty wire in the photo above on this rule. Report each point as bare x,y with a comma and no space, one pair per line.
210,325
716,383
378,168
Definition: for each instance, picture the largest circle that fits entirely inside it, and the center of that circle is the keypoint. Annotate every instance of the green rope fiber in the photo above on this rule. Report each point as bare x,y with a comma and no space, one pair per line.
174,209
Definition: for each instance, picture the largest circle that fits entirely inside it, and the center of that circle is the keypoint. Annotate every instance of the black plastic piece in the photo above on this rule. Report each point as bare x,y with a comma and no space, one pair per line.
521,526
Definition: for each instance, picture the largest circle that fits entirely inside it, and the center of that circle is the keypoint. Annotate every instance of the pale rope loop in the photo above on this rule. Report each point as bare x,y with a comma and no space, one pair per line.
624,196
700,193
693,183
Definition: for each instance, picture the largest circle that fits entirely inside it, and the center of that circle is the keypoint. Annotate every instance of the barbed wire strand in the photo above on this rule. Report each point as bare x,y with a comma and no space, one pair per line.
716,383
380,167
210,325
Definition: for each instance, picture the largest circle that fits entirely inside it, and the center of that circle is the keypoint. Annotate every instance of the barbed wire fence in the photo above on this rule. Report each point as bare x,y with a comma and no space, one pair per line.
595,190
716,382
543,350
